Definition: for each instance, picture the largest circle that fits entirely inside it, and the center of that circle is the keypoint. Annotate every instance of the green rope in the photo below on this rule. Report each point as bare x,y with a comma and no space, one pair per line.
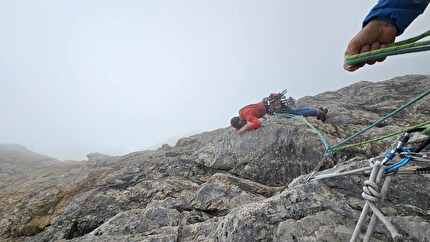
380,138
301,118
381,120
331,149
402,47
411,40
427,130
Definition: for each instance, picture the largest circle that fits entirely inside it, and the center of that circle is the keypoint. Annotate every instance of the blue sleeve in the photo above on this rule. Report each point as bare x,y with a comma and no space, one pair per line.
401,13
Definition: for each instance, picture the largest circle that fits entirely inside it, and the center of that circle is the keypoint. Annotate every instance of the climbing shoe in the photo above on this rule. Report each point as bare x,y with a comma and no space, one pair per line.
323,114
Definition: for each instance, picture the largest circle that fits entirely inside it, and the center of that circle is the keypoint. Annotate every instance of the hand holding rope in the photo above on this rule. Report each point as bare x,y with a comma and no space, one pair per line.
406,46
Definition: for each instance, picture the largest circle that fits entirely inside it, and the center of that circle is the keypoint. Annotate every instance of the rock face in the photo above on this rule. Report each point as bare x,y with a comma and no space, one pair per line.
220,186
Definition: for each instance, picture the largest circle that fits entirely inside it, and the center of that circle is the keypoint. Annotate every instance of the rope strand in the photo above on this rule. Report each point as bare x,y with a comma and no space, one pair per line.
402,47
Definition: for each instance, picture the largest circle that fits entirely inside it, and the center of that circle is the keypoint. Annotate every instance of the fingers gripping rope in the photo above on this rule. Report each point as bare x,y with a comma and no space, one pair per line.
410,45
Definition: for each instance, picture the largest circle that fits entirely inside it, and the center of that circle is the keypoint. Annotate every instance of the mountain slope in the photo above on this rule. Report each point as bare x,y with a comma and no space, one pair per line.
220,186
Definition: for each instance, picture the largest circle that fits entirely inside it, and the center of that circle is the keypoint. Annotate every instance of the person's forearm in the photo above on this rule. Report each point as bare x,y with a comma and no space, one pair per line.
253,125
401,13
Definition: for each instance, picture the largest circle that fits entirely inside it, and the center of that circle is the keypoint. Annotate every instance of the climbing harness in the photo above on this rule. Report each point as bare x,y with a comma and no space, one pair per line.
372,193
406,46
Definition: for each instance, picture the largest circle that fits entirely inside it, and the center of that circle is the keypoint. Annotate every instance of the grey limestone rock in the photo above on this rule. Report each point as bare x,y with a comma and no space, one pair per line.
220,186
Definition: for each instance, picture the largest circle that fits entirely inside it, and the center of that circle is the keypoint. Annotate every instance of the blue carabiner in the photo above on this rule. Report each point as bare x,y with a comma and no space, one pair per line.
399,164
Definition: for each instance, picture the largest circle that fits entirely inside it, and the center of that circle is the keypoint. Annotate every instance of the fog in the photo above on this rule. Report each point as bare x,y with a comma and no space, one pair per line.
121,76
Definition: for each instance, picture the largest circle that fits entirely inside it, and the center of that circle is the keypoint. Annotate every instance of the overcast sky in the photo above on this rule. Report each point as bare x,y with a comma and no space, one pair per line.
82,76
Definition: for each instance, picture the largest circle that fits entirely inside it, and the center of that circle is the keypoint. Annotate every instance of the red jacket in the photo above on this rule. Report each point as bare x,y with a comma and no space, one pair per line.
252,113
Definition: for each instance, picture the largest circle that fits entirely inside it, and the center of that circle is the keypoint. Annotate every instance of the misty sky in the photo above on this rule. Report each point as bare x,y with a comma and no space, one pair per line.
82,76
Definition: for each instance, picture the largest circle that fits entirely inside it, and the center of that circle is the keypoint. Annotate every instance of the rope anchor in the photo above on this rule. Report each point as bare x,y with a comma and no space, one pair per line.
374,195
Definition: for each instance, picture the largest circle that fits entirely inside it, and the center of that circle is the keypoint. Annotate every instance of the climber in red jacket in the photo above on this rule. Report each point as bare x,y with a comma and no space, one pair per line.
272,104
250,113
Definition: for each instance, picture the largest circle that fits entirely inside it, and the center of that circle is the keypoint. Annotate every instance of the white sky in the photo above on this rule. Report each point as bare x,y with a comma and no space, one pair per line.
82,76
